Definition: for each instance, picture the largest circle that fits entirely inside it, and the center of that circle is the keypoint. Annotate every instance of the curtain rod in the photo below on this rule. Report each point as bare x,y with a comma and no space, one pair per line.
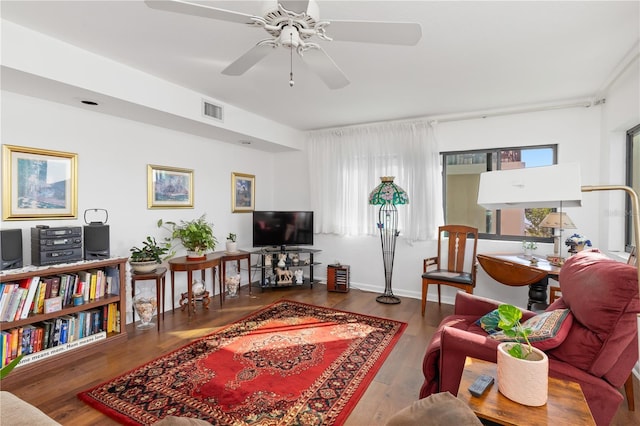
579,103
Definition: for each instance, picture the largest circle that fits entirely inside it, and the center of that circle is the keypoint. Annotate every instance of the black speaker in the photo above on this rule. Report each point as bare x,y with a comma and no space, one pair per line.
96,241
10,249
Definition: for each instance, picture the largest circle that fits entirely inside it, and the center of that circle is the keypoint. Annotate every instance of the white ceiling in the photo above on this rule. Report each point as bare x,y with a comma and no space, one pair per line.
473,56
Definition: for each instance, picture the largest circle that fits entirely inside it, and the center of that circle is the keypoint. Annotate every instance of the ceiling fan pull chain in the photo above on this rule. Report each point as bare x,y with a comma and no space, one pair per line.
291,82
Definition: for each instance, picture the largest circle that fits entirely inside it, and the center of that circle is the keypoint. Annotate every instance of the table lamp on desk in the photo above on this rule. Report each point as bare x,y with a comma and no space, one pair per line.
560,221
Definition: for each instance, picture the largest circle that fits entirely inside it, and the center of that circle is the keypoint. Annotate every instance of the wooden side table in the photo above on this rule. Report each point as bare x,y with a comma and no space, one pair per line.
182,263
159,275
565,405
230,257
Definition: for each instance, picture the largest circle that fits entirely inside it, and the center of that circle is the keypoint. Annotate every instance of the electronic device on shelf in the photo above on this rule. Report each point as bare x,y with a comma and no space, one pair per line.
55,245
282,228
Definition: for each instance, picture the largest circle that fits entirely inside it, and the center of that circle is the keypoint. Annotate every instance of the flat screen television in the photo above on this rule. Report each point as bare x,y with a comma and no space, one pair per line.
282,228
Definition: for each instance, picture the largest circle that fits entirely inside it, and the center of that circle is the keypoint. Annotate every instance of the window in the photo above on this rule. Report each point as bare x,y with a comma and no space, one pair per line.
461,176
633,179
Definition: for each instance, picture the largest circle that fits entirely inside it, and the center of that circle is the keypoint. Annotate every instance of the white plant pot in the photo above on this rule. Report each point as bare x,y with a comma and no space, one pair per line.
232,247
521,380
144,267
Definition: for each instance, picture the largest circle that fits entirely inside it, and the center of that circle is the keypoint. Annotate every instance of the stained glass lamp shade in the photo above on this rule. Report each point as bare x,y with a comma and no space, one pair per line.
388,195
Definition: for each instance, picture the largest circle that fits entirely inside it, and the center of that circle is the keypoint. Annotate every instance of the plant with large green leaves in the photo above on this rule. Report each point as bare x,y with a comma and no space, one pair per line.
195,235
510,323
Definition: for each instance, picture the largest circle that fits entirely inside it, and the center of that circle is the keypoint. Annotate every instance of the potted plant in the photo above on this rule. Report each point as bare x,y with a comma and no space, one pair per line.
145,259
232,246
522,369
195,235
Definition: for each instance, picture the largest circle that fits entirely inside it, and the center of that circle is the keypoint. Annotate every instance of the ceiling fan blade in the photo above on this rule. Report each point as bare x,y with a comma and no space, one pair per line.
403,33
321,64
248,60
194,9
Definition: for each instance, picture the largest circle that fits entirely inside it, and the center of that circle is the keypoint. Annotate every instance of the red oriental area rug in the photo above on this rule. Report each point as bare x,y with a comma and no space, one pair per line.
287,364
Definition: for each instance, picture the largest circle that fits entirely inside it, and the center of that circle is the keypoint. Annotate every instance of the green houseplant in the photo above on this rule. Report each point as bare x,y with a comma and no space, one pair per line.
195,235
510,323
522,369
232,246
147,257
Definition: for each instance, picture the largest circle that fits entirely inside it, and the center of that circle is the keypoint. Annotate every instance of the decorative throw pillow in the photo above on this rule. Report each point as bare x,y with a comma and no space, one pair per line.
548,329
489,322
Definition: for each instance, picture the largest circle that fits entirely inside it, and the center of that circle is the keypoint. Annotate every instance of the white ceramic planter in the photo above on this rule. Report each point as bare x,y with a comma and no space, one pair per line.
144,267
523,381
232,247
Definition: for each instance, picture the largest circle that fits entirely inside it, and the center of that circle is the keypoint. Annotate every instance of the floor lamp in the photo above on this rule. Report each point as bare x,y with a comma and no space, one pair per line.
388,195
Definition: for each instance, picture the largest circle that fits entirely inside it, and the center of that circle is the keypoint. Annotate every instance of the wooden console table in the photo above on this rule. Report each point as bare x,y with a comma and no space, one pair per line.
182,263
516,270
565,405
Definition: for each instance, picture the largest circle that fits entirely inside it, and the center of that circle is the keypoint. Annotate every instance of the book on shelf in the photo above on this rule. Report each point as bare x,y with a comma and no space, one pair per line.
113,275
32,286
7,293
38,306
53,304
45,353
13,303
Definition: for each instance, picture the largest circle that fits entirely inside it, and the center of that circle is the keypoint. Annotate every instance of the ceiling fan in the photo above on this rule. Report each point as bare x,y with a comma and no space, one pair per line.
292,24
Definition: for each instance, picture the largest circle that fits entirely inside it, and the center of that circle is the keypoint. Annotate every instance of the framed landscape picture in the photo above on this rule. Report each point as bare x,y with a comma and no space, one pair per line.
38,184
169,187
243,192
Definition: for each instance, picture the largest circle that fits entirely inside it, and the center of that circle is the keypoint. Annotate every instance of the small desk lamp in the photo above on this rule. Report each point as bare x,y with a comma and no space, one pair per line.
560,221
388,195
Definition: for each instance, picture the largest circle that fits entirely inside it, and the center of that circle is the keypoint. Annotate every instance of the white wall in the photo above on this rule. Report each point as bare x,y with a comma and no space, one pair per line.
113,154
577,132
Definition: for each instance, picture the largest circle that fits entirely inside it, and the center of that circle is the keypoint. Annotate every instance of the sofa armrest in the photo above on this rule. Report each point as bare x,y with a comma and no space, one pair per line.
455,346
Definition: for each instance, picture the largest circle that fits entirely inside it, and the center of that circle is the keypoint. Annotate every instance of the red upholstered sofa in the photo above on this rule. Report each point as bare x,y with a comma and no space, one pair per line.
599,351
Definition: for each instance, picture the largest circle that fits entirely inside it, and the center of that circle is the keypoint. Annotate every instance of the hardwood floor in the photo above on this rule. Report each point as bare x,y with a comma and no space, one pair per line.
395,386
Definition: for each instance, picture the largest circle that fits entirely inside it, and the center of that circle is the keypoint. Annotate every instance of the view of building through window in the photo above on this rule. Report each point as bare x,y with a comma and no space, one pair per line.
461,176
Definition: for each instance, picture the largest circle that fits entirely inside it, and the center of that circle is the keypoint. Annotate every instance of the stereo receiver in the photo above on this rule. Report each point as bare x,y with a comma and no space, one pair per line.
55,245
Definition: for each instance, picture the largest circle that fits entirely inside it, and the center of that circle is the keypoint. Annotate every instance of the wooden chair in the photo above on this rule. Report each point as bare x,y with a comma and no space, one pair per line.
555,293
456,272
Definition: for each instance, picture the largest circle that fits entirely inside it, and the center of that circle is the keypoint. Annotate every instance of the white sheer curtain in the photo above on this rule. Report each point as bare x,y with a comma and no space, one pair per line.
346,164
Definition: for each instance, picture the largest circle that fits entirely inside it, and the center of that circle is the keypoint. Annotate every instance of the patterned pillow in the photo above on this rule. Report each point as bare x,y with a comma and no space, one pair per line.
548,329
489,322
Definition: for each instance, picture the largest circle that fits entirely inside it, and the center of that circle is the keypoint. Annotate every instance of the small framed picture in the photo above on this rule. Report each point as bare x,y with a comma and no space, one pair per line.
243,192
38,184
169,187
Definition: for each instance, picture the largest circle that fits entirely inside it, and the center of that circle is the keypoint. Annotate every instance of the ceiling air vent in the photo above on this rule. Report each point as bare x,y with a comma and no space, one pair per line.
211,110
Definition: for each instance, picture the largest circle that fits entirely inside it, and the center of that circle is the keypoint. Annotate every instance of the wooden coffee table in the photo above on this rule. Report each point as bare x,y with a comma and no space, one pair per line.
565,405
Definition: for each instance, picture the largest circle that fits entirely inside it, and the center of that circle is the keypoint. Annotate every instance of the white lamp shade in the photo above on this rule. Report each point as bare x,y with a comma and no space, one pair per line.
557,220
533,187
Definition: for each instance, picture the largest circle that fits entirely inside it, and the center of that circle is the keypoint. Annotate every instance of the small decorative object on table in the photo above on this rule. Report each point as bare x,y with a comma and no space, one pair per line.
232,245
200,293
145,304
282,260
577,243
299,276
284,276
529,247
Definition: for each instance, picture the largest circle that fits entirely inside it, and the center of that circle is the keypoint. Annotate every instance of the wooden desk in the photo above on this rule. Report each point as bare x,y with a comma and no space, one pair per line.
159,275
211,260
515,270
565,405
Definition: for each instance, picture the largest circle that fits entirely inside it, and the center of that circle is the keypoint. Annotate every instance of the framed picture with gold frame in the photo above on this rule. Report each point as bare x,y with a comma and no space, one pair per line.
169,187
243,192
39,184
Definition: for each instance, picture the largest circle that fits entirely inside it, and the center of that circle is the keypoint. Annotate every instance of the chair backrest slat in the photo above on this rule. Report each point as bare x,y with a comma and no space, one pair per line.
458,236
